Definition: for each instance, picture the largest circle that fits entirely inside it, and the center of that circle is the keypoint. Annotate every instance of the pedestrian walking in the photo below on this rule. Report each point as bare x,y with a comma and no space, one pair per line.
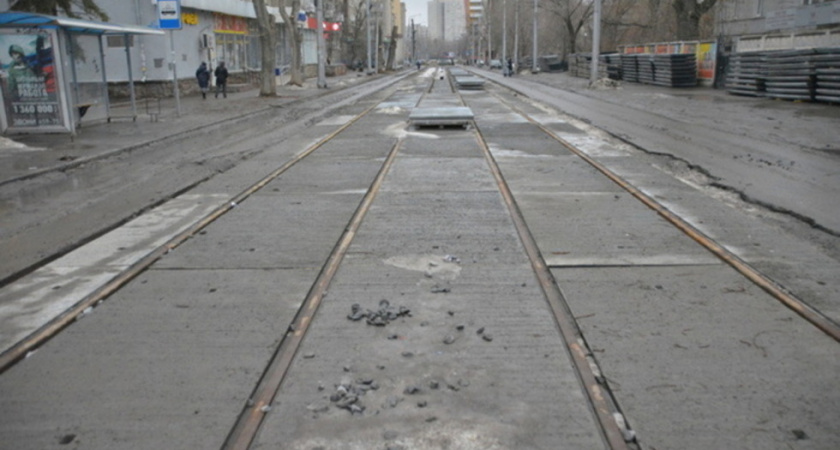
510,67
203,77
221,73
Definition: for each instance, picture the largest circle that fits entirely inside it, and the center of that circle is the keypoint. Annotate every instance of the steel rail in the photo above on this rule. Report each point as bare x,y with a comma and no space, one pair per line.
20,350
242,434
787,298
251,418
600,400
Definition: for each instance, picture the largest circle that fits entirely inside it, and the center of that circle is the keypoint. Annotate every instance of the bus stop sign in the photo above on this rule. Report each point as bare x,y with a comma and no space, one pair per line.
169,14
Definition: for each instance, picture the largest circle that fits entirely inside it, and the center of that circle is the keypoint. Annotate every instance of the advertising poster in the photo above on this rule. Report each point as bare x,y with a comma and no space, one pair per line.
706,59
29,81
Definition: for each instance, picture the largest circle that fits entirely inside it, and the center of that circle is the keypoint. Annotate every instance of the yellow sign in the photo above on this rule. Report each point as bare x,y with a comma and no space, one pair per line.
189,18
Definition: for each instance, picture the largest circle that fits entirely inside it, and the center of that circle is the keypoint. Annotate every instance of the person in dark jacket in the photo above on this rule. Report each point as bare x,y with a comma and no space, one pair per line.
221,73
203,77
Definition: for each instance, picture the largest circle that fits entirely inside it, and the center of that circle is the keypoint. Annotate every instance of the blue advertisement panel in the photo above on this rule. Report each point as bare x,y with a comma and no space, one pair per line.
30,84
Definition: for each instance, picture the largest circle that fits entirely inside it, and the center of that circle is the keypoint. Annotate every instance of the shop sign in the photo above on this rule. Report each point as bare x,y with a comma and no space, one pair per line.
230,24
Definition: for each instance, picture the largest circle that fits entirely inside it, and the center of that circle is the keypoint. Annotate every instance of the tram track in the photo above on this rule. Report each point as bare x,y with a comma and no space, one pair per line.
612,426
779,292
247,426
22,348
44,204
615,433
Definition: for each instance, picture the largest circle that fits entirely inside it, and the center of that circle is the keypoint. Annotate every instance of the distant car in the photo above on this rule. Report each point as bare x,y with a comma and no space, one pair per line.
495,64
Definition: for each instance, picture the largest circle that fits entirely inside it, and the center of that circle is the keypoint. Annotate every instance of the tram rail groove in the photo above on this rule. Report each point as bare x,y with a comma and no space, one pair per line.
777,291
32,342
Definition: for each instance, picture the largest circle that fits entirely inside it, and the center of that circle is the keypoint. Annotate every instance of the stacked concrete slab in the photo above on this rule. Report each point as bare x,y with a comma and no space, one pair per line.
827,71
806,75
746,74
465,80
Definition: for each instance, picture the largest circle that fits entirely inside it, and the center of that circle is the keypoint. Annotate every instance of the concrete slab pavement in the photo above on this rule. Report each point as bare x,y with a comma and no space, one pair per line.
696,355
27,155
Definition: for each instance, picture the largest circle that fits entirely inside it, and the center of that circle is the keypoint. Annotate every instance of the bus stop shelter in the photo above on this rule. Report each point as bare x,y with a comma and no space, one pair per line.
41,91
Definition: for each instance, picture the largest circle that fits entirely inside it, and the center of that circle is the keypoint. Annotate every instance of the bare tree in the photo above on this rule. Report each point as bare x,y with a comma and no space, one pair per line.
268,45
52,7
621,19
355,34
295,36
689,13
573,14
392,48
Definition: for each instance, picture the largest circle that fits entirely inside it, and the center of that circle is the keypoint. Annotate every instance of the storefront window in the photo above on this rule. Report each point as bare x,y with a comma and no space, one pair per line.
237,43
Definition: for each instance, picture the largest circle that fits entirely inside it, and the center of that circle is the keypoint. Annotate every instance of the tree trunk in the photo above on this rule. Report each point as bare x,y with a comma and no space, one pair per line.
346,48
392,48
571,36
268,45
295,36
296,40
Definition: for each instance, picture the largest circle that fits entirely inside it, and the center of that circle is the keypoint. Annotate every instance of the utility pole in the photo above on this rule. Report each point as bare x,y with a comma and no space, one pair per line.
516,37
174,68
367,21
534,55
322,71
504,36
596,43
489,32
376,41
413,43
480,53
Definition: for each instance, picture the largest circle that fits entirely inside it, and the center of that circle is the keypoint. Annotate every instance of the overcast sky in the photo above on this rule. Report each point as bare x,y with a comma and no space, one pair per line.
417,10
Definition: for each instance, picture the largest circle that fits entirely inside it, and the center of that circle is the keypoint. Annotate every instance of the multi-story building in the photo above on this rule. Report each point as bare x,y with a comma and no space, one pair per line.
475,12
447,20
779,24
